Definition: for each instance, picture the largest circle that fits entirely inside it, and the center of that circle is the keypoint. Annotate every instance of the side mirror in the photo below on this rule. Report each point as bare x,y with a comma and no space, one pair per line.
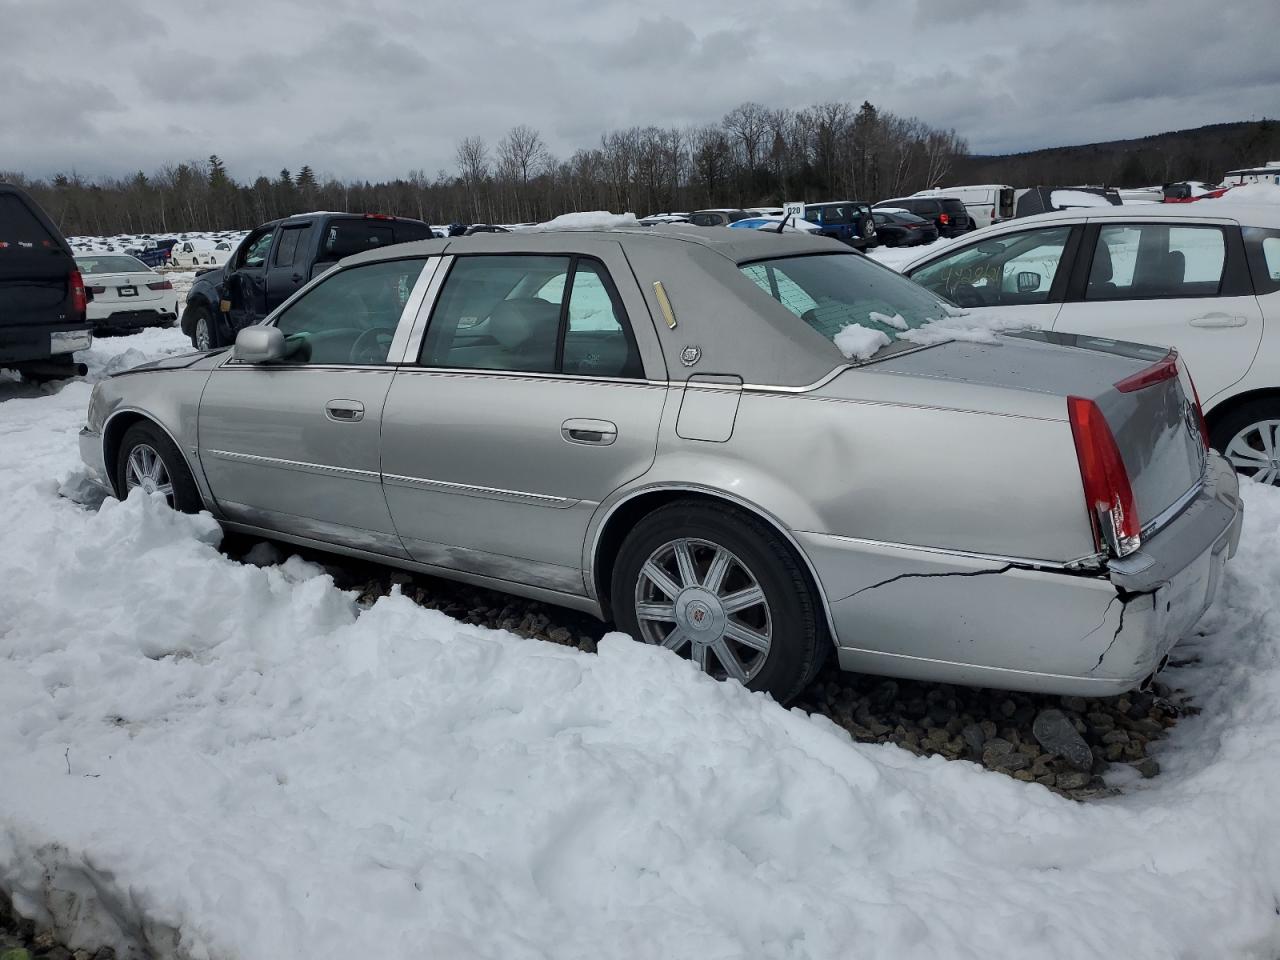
259,345
1028,282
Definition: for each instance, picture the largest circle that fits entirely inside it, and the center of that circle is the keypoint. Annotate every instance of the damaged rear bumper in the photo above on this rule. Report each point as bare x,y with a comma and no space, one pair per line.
956,618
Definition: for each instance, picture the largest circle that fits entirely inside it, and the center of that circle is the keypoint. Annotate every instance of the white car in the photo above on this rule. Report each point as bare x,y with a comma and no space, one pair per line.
1203,278
126,293
194,253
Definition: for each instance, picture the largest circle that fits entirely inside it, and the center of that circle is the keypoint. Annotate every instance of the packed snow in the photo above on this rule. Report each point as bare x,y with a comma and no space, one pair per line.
1250,193
858,342
590,220
1063,199
219,759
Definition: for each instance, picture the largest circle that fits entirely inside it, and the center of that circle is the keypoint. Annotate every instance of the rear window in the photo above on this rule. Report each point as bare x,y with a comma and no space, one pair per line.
831,292
115,264
20,227
953,206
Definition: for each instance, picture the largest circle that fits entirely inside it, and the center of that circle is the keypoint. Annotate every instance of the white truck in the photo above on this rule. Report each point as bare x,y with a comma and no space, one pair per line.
987,203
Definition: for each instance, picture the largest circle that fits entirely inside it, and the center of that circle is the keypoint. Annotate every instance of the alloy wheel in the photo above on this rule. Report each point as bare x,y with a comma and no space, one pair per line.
202,334
700,600
145,469
1255,451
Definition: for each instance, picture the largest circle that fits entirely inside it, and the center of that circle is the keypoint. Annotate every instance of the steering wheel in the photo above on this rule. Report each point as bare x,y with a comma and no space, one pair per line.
966,295
369,348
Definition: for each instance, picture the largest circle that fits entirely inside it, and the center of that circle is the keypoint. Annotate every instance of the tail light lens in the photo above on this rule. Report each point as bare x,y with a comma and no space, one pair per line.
944,218
1107,492
79,300
1165,369
160,285
96,291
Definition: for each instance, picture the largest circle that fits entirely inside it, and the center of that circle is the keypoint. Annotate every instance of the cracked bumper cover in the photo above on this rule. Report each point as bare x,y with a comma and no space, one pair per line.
941,616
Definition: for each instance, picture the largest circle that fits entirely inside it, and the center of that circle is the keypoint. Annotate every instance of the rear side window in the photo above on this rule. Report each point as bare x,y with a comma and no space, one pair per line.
534,314
406,230
20,227
1263,247
342,238
1148,261
954,207
290,243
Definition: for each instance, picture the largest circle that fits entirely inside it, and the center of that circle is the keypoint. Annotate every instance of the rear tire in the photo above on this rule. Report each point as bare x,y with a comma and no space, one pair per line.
148,458
721,587
1249,437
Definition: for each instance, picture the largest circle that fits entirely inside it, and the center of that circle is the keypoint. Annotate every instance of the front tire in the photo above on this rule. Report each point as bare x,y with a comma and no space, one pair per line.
204,333
1249,437
150,460
722,588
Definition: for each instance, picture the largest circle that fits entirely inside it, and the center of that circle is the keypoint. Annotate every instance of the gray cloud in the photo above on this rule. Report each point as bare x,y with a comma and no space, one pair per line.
376,88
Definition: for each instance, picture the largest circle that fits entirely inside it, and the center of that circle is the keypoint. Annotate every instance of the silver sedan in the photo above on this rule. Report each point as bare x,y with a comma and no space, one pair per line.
752,449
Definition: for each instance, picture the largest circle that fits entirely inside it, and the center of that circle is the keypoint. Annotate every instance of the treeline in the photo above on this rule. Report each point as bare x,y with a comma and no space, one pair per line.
1203,153
754,156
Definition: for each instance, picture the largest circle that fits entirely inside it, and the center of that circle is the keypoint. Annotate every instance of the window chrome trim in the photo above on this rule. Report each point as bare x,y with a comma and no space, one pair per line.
430,293
413,321
303,465
408,370
468,489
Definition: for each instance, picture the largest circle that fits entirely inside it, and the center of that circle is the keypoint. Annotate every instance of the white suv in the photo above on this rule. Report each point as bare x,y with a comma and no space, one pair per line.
1203,278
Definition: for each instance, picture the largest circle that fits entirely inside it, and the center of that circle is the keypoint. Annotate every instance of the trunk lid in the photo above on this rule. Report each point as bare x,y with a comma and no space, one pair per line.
1155,424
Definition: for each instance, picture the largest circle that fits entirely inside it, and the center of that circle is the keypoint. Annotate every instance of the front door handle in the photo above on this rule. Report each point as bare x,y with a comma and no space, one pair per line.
344,411
1219,320
599,433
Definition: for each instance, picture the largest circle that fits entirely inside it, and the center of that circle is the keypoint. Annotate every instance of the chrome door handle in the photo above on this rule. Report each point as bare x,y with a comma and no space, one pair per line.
1219,320
344,411
598,433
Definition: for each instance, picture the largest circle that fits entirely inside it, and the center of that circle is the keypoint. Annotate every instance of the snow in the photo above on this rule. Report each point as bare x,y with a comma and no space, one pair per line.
858,342
1062,199
590,220
226,759
898,321
976,326
1250,193
901,257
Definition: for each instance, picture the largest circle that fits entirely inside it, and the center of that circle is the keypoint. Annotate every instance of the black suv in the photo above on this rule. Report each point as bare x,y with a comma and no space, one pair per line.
949,215
275,260
42,296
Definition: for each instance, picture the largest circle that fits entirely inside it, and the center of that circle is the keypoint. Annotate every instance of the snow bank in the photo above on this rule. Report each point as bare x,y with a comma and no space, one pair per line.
901,257
590,220
219,759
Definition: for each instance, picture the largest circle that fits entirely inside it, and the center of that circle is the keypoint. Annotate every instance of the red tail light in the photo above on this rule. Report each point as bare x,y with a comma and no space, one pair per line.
160,285
378,216
1107,493
944,218
79,301
1165,369
96,290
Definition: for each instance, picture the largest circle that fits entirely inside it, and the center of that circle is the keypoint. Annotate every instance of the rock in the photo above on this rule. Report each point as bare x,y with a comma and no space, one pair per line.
1011,762
1047,779
1101,721
15,954
1115,736
400,577
1147,767
1147,726
57,953
975,737
996,747
1008,708
988,727
1114,752
1078,704
1056,734
560,635
1026,776
1141,704
1072,780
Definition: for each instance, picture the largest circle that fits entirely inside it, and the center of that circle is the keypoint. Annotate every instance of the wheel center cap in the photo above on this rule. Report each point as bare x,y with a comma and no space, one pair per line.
699,611
149,485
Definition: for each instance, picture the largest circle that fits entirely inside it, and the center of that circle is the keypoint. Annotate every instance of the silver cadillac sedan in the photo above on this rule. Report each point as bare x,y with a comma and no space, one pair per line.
748,448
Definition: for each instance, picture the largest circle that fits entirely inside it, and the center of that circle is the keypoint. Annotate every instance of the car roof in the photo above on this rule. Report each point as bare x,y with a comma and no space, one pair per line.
1251,214
738,246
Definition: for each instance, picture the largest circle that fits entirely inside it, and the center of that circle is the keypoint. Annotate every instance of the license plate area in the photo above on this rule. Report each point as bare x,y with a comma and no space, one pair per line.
127,291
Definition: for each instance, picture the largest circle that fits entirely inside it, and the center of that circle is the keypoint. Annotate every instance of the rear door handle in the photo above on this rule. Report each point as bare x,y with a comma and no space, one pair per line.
1219,320
344,411
598,433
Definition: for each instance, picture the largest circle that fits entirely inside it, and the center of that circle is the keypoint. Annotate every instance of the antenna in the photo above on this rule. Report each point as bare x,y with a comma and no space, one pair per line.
783,224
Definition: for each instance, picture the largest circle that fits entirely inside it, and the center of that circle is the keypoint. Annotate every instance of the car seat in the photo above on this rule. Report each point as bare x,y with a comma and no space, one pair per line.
1101,273
525,329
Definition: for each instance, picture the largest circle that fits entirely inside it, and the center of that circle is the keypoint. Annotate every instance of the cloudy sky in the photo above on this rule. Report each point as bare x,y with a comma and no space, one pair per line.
379,87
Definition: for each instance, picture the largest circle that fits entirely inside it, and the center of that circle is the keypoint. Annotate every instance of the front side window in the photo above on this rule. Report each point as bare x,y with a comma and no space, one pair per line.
351,317
1155,260
255,254
534,314
1017,268
287,248
832,291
